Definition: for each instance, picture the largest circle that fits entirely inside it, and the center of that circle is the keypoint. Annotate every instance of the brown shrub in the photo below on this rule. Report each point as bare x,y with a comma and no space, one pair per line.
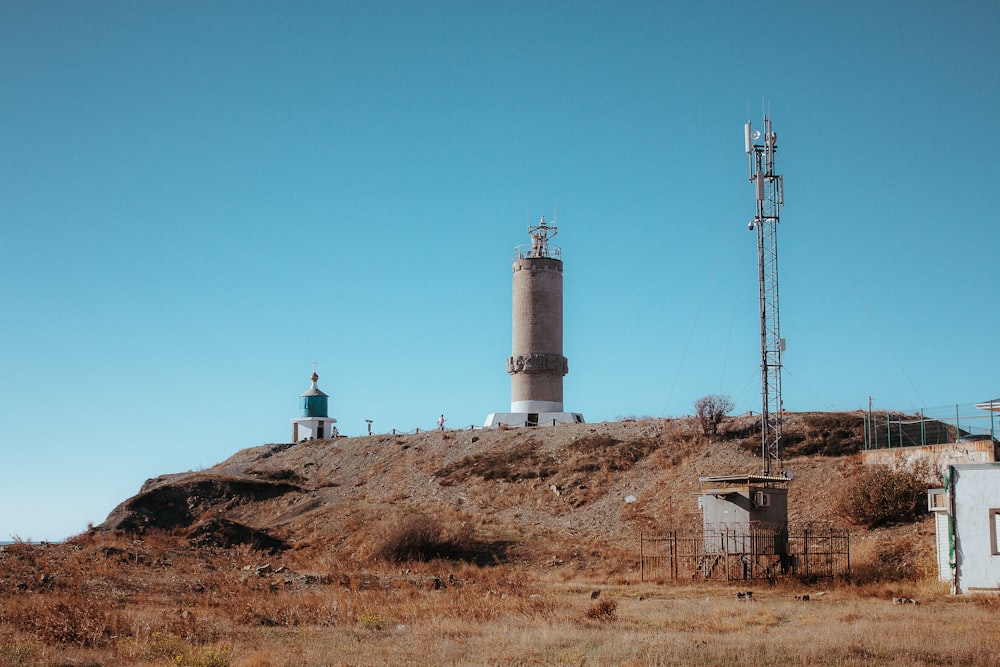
593,443
522,462
420,537
828,434
710,410
605,610
885,496
77,620
609,453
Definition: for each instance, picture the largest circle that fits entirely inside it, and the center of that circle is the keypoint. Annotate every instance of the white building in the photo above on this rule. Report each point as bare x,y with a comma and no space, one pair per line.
314,423
968,514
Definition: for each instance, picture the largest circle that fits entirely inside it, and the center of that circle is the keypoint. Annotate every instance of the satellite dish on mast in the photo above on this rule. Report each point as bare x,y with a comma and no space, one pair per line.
756,135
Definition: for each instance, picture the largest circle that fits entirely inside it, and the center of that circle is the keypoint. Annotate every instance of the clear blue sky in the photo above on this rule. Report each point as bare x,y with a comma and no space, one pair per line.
199,199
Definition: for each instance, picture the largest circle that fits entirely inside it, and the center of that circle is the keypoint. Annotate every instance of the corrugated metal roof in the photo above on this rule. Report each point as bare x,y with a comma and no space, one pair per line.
719,484
749,478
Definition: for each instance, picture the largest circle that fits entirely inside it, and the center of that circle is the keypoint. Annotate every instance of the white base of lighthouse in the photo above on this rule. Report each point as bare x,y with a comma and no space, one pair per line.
313,428
536,406
495,419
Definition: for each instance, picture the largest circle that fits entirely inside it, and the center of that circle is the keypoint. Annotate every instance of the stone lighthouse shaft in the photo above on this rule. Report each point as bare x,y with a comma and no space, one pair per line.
537,364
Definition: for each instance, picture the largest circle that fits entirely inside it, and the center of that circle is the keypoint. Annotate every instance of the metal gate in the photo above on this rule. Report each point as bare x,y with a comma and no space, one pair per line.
736,553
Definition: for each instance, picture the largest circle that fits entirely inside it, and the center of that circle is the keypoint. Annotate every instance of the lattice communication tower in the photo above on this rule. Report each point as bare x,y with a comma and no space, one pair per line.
770,195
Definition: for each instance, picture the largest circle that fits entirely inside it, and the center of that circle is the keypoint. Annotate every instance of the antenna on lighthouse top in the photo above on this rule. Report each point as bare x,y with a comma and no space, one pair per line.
540,235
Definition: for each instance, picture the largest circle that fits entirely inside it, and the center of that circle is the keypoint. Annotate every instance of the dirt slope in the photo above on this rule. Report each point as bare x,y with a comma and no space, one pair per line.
594,484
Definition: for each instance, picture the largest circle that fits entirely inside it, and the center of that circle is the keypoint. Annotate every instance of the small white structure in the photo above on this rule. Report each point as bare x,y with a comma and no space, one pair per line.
315,423
972,528
532,418
992,406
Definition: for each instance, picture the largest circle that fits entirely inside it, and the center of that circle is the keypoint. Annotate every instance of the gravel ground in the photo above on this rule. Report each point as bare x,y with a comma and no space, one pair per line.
597,484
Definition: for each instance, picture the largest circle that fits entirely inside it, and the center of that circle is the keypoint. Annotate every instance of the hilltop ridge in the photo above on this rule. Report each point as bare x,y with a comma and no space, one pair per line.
518,490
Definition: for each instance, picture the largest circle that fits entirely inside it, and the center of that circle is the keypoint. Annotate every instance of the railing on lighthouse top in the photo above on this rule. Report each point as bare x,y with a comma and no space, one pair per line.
539,246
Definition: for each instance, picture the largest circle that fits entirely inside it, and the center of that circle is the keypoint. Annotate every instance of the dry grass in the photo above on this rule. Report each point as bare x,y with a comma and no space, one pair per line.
157,601
804,434
479,548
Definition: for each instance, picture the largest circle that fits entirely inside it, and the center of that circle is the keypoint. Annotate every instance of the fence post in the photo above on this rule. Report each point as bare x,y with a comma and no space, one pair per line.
992,432
642,561
673,554
805,549
864,421
872,432
848,554
725,551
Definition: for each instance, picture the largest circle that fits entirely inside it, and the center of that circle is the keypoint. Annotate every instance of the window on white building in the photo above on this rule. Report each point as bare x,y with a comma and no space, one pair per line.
995,532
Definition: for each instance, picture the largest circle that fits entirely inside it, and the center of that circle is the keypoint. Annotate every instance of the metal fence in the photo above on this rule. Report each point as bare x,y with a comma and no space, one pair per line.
737,553
932,426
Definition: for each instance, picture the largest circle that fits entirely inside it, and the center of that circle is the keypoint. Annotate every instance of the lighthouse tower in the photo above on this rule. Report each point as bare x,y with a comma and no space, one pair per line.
537,364
314,422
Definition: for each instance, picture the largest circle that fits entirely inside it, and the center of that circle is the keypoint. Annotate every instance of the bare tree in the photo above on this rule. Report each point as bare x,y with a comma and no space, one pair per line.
710,411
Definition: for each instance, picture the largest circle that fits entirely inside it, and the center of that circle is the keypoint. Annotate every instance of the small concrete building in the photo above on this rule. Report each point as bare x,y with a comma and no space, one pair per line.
746,516
314,423
971,505
743,500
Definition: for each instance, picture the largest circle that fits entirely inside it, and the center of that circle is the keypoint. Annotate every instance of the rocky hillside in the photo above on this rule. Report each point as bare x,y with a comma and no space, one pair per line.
515,491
